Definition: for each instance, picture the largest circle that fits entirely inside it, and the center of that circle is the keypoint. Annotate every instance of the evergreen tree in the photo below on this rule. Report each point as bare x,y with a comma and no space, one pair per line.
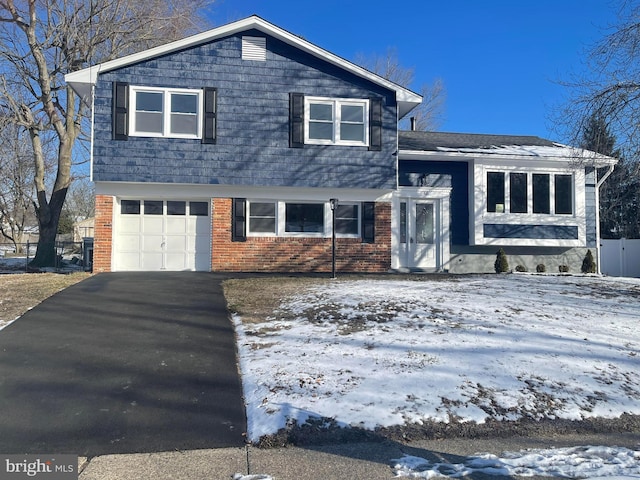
620,194
501,264
588,264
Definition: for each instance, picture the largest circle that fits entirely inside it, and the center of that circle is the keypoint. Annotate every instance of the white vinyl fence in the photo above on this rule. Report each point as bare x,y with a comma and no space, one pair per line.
620,258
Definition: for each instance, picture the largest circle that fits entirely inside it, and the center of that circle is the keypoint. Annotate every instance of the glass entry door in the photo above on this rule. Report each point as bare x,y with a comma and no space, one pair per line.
419,232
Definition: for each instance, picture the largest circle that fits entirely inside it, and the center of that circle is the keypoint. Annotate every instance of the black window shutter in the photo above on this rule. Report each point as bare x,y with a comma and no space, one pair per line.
239,220
369,222
375,124
296,120
120,106
210,115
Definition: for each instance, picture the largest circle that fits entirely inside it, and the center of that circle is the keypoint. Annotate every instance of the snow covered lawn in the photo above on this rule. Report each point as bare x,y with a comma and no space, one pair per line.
384,352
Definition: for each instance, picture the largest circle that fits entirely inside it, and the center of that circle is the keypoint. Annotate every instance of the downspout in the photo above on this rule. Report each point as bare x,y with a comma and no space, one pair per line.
598,185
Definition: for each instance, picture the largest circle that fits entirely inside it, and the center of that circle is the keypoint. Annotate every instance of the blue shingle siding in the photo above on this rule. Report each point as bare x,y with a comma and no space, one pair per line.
252,144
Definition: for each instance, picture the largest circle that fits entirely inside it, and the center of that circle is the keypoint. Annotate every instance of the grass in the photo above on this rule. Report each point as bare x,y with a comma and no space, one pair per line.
21,292
255,299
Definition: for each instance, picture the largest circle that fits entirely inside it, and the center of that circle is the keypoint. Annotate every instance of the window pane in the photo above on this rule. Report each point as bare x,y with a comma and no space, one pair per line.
424,223
518,192
262,209
352,113
403,222
353,132
304,217
176,208
320,111
184,103
321,131
541,193
564,194
149,101
262,225
200,209
347,219
153,207
495,192
130,207
149,122
184,124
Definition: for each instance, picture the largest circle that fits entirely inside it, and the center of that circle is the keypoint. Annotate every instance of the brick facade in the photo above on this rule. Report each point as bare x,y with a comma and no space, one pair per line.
294,254
103,236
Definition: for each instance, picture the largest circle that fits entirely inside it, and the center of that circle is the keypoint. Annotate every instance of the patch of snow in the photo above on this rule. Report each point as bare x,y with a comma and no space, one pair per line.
384,352
576,462
239,476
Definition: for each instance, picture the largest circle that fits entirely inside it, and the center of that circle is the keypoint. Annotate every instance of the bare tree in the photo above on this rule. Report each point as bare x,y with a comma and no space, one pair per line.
41,41
429,114
610,91
81,199
16,184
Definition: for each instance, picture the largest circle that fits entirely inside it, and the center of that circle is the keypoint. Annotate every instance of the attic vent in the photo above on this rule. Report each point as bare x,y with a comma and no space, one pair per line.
254,48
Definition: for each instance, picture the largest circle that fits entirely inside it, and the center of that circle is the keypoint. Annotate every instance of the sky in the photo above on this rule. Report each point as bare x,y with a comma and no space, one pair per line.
501,61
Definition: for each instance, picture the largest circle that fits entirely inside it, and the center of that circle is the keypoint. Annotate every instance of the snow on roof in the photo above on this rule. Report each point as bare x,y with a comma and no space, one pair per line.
504,145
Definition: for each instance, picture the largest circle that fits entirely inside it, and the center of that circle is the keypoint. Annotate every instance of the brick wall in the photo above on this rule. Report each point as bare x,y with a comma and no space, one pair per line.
295,254
103,234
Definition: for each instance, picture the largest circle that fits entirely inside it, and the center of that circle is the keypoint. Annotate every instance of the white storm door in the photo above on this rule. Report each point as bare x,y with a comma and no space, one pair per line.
422,233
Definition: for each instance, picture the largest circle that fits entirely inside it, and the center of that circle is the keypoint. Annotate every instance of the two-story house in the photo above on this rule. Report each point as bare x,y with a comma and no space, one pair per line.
247,148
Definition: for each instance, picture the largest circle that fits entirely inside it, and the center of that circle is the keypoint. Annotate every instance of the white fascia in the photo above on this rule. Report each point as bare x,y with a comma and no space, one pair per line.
163,191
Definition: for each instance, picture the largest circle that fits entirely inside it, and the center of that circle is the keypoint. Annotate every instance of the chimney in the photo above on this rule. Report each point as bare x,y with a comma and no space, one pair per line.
413,124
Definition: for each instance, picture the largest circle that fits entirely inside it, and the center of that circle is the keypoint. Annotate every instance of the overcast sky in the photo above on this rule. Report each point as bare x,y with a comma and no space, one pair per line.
500,60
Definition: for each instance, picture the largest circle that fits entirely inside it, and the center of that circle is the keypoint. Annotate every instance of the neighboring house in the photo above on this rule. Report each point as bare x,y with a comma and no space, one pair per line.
222,151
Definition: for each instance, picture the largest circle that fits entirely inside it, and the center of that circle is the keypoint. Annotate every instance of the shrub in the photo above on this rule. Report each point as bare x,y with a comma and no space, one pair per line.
563,268
540,268
501,265
588,264
521,268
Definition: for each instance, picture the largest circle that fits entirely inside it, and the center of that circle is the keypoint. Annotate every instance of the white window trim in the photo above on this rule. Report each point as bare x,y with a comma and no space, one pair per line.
166,112
478,199
336,103
261,234
281,206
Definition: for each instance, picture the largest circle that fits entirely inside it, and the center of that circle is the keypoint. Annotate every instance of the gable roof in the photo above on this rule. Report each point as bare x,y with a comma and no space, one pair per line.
82,80
475,144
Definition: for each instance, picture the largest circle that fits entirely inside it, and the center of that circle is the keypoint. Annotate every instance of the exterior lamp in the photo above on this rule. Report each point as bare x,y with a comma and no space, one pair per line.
333,203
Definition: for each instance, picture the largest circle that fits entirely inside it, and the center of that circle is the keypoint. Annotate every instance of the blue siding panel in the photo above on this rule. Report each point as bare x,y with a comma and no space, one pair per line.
410,172
252,123
535,232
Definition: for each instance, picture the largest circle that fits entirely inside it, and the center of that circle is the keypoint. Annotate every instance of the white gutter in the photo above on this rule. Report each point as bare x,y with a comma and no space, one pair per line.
598,185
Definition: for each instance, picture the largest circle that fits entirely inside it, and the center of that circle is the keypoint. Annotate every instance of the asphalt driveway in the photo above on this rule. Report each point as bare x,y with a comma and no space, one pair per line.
122,363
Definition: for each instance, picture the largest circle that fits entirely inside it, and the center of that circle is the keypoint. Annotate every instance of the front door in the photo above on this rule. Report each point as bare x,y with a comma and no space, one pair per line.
419,232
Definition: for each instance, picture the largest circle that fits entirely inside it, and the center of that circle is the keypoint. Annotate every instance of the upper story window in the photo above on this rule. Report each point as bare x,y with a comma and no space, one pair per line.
336,121
164,112
524,192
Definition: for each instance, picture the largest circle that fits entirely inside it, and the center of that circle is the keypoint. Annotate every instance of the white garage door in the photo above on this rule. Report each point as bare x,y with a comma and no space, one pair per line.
154,235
